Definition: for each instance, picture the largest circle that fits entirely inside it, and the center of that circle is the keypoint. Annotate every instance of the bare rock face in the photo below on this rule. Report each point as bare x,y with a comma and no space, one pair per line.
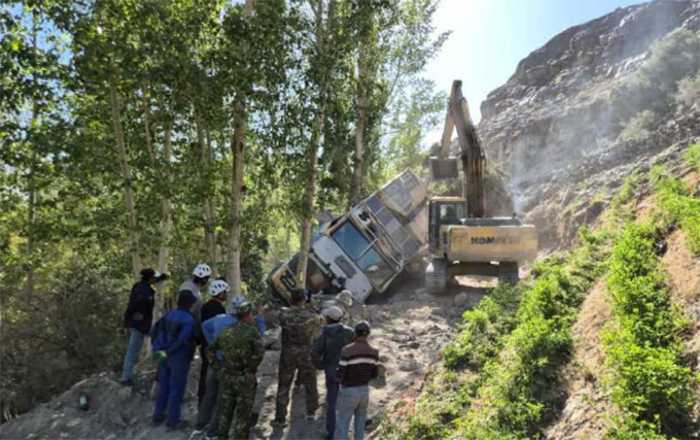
554,127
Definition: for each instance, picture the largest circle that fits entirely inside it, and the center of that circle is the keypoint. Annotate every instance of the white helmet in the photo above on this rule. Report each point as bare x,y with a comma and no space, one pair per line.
202,271
218,287
237,301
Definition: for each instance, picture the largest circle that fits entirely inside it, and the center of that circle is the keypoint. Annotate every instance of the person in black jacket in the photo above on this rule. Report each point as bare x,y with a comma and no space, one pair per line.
325,355
218,290
138,319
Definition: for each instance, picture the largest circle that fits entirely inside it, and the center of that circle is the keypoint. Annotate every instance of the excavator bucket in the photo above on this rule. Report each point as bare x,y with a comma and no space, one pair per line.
444,168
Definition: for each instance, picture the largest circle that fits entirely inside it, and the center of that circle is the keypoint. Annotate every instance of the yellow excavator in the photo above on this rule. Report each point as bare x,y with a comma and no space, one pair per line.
462,241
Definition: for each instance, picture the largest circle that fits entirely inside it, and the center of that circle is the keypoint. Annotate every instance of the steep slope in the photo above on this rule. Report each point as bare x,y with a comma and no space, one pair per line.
570,123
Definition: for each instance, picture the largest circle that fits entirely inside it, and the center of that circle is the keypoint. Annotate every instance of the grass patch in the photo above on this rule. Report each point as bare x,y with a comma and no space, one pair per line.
692,155
519,388
678,206
480,337
649,381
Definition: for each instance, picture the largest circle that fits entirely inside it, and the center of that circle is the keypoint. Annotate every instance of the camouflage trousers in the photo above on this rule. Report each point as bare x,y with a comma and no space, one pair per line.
235,403
293,360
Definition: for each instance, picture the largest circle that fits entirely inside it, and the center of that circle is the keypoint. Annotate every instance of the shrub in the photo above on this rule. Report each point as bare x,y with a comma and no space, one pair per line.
674,57
677,204
643,349
61,334
689,90
482,328
692,155
639,127
519,386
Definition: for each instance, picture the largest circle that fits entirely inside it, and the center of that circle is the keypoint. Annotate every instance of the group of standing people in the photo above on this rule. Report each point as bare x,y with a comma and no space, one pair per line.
231,349
343,354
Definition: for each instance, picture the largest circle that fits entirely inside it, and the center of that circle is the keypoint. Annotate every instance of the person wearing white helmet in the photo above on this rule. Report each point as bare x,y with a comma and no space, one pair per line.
211,329
200,278
215,306
325,355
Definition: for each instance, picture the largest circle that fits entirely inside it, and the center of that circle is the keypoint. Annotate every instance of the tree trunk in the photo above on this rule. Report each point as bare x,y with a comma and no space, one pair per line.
312,152
29,288
133,234
237,148
207,205
238,151
360,124
166,221
309,197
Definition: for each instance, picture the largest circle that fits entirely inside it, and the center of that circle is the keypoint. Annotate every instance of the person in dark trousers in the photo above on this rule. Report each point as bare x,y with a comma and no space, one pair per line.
196,284
242,350
173,339
359,363
208,412
138,319
325,355
218,289
298,325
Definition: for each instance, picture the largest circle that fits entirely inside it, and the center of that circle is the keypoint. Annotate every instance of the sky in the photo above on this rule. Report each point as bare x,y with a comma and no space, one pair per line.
490,37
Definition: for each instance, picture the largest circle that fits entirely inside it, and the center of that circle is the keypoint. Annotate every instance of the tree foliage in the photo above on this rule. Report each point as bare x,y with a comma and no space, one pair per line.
117,120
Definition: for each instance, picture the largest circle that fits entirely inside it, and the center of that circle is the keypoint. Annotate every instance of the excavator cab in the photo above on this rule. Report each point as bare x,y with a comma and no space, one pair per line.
443,211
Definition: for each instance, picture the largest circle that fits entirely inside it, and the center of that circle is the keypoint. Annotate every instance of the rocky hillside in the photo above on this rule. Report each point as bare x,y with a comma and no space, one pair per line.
592,105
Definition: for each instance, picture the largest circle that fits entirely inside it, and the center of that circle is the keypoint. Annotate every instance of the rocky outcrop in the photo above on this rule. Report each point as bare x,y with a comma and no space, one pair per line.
555,126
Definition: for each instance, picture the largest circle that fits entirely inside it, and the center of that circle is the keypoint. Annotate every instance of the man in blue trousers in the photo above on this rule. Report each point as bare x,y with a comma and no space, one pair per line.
173,339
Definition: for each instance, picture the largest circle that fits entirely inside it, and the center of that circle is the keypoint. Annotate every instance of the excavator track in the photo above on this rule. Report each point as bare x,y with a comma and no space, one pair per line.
508,273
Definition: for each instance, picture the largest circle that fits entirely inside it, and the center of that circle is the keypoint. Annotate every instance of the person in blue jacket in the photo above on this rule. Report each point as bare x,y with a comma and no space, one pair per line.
211,329
173,335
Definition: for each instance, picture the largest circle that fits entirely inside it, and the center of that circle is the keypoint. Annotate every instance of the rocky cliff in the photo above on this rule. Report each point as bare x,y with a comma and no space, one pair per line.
595,103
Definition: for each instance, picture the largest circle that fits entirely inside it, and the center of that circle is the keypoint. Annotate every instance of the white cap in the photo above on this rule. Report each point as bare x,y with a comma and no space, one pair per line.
334,313
202,271
345,297
218,287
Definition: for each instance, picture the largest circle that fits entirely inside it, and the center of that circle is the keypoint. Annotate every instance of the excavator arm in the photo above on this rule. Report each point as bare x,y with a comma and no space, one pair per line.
472,155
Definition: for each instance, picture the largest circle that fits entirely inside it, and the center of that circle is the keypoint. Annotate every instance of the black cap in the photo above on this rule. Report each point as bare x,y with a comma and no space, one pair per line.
362,328
185,299
148,273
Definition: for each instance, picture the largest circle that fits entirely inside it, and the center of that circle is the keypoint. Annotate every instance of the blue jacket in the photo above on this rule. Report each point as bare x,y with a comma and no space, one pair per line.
174,333
213,327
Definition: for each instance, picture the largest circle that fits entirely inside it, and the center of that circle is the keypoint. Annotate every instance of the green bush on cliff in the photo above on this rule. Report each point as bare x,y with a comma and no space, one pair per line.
650,383
678,206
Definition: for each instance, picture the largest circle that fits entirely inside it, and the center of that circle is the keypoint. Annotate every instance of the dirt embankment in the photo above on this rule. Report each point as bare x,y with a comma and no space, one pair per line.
588,409
410,328
587,405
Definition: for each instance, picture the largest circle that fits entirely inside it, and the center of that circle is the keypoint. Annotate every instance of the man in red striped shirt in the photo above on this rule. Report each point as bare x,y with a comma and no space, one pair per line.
359,364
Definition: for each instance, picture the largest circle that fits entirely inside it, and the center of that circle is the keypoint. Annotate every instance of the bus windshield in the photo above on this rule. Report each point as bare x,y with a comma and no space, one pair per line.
358,248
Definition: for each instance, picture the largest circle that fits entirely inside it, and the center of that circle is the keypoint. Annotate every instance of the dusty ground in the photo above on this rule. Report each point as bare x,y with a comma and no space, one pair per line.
410,327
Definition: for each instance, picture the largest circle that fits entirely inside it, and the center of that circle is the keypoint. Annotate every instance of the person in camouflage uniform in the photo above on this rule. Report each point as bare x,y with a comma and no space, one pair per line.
243,350
299,324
